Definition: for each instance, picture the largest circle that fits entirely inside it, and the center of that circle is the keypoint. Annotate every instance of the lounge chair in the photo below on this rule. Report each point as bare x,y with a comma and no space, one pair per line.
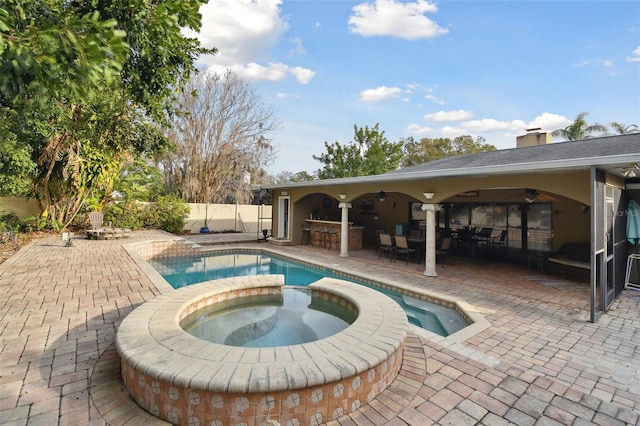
96,219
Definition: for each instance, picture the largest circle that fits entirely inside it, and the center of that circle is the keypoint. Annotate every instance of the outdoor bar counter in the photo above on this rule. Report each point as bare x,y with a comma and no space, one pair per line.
330,226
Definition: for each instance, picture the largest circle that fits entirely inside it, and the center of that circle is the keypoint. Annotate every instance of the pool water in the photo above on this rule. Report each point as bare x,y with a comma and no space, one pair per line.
186,270
290,318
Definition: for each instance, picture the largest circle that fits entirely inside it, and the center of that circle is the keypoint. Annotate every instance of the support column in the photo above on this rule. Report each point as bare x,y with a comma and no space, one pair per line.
430,235
344,229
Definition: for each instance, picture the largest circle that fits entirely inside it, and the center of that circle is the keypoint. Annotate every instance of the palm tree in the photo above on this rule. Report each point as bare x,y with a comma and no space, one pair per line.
623,129
579,129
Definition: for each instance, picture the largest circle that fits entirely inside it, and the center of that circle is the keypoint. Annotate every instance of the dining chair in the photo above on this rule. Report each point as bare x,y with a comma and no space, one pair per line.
443,250
378,232
501,241
402,247
415,233
386,246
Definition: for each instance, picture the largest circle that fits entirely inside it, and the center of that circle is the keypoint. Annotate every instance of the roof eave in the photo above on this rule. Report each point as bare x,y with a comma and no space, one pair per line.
546,166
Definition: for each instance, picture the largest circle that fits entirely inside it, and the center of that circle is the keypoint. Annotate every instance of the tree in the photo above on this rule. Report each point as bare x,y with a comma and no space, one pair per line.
427,149
370,153
221,139
48,50
623,129
579,129
288,177
86,86
16,165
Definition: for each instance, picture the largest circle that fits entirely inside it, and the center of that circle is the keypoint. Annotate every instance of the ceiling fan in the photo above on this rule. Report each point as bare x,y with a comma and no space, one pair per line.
533,195
383,196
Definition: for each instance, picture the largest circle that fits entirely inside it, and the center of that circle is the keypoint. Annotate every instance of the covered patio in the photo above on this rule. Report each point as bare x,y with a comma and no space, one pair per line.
557,206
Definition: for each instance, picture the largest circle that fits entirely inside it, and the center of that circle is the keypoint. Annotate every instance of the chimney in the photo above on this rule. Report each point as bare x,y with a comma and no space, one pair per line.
533,137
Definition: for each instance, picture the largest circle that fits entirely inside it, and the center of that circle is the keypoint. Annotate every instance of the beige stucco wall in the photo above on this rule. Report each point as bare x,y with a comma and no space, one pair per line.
222,217
228,217
23,207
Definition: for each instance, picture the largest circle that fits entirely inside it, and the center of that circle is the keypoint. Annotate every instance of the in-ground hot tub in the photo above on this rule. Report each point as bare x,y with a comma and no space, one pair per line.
186,380
292,317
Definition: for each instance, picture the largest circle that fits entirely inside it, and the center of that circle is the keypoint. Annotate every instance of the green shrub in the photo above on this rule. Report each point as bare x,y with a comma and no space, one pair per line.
9,222
169,214
126,215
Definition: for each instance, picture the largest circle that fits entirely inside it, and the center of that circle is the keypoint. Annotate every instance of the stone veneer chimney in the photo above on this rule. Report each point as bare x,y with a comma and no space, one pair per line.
533,137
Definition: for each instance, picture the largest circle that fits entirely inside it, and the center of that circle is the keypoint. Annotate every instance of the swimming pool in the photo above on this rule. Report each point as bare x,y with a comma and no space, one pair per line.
182,271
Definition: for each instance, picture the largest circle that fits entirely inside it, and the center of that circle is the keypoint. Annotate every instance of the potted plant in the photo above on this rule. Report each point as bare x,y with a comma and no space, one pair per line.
205,229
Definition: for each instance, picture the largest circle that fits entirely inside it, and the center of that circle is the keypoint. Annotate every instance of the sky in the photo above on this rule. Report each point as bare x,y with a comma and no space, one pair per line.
426,68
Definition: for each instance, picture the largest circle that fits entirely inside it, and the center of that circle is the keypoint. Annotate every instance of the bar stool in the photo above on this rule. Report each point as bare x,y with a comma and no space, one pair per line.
334,239
316,240
326,240
306,233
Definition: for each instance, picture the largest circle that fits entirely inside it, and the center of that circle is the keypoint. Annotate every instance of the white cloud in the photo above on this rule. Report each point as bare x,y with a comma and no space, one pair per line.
548,122
244,31
495,131
635,55
396,19
441,116
418,130
435,99
379,93
607,64
489,124
417,87
303,75
282,95
298,48
452,132
241,30
273,71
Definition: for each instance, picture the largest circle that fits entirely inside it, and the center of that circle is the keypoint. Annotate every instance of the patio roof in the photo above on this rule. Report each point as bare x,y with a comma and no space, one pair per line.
614,154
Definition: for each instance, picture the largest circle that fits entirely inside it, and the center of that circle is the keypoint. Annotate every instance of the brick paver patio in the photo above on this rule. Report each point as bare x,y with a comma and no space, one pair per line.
540,361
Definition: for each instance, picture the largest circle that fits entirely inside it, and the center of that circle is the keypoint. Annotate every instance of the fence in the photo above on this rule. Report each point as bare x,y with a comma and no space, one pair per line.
220,217
228,217
23,207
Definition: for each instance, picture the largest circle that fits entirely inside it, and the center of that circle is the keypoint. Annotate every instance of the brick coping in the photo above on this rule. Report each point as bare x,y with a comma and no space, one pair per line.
150,339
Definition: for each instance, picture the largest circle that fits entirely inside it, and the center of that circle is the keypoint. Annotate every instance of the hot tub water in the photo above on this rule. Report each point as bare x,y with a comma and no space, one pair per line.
289,318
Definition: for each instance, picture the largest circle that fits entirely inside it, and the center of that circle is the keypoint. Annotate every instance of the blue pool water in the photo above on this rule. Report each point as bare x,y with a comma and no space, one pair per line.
186,270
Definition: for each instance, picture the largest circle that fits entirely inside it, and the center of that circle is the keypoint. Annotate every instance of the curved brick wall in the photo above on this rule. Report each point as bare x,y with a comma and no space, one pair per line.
185,380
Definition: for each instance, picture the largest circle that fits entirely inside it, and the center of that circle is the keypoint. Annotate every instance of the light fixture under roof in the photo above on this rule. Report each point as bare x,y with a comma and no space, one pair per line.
631,172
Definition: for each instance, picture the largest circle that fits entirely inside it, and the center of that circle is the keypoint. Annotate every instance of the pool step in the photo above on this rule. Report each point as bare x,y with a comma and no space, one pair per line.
450,320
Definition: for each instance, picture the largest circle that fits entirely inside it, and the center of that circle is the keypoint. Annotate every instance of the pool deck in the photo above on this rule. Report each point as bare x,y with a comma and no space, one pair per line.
539,362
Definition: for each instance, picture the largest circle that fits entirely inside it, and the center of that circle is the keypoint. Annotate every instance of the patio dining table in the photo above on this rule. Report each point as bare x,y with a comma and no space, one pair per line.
420,245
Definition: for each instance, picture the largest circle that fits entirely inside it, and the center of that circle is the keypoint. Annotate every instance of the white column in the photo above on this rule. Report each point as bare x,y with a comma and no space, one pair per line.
430,235
344,229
